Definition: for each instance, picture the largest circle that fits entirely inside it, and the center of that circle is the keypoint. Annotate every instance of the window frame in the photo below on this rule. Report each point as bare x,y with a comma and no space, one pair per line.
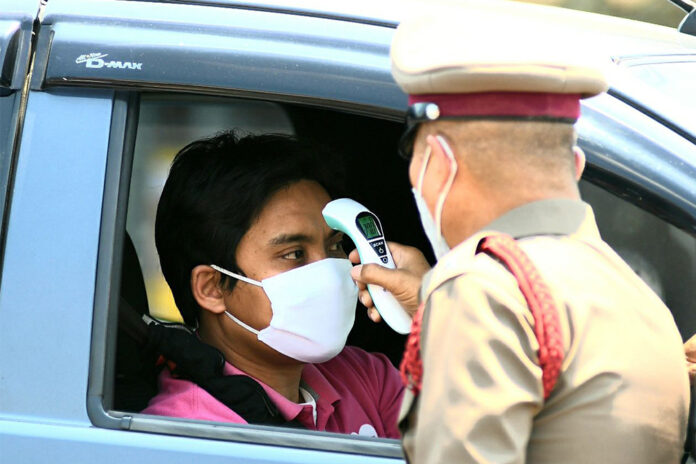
105,323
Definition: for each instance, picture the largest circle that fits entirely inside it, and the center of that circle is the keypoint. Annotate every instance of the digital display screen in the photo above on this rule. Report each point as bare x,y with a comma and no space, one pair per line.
369,227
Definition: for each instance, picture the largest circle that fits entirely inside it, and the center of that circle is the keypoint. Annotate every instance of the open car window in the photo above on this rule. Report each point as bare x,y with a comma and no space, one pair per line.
365,146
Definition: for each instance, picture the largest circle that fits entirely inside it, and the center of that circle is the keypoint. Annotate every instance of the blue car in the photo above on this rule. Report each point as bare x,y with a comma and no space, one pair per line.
96,96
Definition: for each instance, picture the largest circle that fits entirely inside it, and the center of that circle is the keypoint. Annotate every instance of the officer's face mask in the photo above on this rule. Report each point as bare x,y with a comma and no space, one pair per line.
433,229
313,309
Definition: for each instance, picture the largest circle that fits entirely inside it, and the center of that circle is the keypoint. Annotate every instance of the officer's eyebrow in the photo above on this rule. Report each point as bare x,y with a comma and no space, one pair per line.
284,239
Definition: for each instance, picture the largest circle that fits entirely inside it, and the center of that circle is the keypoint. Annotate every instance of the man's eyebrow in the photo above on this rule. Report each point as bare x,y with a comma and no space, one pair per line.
284,239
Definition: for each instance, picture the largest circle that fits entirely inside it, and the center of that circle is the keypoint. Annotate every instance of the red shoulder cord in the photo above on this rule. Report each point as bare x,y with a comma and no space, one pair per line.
547,326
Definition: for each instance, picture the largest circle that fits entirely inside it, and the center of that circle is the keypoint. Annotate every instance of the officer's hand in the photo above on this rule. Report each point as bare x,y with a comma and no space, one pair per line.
690,352
403,282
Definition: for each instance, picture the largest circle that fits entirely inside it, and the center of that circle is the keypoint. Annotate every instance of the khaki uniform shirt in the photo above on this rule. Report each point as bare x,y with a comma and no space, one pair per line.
622,395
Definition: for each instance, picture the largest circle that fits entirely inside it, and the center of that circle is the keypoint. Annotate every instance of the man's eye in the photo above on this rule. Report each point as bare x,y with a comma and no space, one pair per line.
338,246
295,254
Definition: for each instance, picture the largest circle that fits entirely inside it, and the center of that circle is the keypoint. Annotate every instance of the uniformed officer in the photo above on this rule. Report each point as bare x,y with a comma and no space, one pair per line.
534,342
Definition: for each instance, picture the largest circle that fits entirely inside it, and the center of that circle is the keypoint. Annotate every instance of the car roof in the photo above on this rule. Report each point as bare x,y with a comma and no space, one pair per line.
628,47
361,26
610,36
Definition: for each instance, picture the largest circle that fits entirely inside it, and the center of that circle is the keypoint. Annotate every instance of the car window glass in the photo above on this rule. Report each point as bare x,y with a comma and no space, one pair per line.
661,254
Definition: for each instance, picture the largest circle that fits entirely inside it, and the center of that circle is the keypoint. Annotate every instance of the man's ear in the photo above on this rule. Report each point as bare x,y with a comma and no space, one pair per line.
439,169
205,286
580,161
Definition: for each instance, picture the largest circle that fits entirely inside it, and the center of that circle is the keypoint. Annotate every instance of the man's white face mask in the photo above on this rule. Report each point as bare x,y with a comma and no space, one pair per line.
433,229
313,309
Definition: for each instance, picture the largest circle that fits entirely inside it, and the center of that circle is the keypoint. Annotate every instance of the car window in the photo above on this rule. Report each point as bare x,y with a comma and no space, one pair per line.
364,146
661,254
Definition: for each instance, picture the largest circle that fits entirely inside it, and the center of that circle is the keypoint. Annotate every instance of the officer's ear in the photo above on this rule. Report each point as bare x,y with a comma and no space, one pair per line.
206,289
580,161
442,158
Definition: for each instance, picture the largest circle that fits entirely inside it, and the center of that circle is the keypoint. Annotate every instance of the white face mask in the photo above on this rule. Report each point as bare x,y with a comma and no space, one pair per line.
313,309
433,229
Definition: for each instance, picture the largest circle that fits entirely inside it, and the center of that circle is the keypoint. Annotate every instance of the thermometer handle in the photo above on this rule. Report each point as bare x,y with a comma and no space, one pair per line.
389,308
364,228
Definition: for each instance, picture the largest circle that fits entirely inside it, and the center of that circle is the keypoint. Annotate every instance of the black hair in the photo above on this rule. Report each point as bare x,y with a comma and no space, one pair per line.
215,190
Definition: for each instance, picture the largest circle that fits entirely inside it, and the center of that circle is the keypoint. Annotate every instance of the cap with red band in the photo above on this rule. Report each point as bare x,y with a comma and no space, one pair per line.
511,104
468,70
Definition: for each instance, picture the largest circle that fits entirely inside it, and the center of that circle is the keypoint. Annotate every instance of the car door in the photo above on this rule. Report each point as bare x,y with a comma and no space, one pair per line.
97,65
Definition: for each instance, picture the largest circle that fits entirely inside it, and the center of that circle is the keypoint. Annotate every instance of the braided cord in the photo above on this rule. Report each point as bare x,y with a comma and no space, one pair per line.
547,327
411,364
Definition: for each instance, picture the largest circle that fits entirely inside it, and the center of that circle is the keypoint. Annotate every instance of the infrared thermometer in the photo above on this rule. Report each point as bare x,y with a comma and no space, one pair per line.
364,228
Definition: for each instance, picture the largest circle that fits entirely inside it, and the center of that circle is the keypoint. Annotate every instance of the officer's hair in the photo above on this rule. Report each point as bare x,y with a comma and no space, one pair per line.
216,188
505,152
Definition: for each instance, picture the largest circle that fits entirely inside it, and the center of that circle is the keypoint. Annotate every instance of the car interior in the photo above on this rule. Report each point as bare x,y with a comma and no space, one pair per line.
376,177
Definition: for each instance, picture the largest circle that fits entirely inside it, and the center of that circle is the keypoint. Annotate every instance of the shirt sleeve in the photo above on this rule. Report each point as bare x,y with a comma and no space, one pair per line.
482,384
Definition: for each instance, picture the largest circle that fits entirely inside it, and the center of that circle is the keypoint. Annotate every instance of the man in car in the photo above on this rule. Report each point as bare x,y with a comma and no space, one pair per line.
265,286
535,342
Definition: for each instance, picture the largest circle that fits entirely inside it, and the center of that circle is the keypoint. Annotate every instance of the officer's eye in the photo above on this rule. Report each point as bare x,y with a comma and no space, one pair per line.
294,255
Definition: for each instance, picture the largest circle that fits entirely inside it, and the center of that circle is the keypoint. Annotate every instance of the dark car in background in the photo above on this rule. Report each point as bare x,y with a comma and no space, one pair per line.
96,96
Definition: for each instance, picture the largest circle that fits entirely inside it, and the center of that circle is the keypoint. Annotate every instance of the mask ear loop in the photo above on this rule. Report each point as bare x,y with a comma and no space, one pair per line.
421,176
236,276
243,279
448,185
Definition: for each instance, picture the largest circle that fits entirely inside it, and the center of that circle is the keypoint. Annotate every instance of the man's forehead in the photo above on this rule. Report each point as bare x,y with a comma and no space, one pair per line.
294,211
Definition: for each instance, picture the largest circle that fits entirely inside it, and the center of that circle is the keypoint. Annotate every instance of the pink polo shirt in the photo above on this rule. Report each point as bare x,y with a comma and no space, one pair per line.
356,392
